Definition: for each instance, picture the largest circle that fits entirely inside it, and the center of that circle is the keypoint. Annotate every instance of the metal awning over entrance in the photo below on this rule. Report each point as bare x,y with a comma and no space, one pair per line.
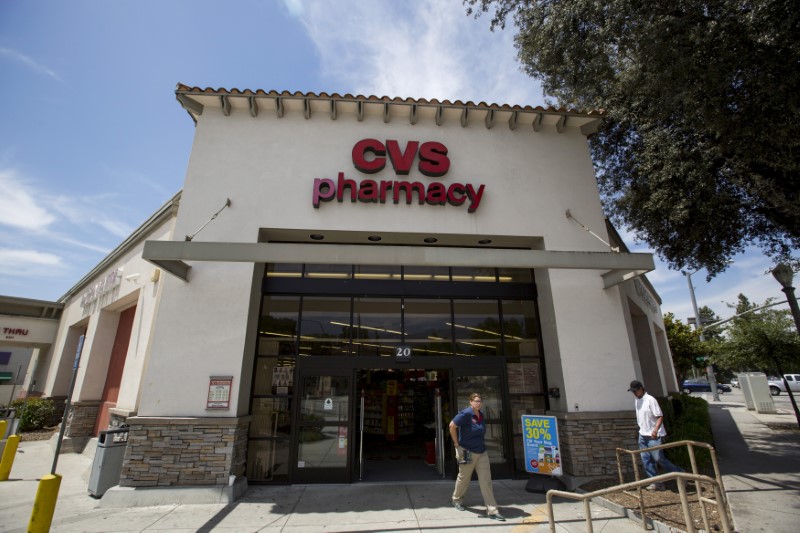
172,256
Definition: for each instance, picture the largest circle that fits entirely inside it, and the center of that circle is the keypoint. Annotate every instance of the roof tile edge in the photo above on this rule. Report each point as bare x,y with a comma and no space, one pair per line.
183,89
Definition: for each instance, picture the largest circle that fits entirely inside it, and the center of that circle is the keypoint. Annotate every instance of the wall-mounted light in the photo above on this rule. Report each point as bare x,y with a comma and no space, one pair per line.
374,238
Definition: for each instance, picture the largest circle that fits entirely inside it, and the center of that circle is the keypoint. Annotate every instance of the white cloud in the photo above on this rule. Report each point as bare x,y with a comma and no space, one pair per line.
20,204
30,63
295,7
19,262
428,49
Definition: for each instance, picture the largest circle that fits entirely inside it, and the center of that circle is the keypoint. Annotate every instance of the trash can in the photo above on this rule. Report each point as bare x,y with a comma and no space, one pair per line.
107,464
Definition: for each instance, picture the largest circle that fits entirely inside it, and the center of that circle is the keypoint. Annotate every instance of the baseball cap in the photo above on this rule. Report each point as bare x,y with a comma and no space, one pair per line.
635,385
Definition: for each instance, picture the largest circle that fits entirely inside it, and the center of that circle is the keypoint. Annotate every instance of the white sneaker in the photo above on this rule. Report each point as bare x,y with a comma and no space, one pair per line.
655,486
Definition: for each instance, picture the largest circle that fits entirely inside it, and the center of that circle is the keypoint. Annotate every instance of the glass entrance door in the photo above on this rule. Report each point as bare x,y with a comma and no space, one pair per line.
489,383
322,428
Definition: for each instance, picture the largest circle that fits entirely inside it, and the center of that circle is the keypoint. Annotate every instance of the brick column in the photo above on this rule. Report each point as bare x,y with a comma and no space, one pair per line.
589,442
168,452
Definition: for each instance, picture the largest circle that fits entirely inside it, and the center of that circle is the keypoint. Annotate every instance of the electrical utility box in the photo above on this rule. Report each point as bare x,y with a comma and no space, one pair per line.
760,393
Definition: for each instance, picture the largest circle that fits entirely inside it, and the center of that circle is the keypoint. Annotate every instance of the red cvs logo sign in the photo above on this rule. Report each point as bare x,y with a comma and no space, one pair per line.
370,156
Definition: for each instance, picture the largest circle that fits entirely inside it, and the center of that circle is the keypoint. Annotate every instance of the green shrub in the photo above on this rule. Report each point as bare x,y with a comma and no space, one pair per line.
33,413
686,418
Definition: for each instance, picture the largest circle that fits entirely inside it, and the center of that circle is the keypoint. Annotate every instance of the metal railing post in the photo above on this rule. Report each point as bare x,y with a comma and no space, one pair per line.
361,441
439,436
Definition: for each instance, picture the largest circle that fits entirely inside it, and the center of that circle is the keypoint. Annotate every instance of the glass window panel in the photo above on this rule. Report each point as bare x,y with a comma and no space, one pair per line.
325,399
284,270
322,447
494,443
524,376
426,273
521,324
515,275
525,405
474,274
379,272
325,326
268,460
271,417
519,454
329,271
477,327
376,326
489,389
427,326
278,322
274,375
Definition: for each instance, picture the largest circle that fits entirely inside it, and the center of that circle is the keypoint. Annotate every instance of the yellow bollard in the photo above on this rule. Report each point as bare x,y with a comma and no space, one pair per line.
9,452
44,506
3,425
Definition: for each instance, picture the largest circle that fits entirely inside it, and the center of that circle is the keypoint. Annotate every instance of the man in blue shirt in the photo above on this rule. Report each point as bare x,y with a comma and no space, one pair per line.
468,429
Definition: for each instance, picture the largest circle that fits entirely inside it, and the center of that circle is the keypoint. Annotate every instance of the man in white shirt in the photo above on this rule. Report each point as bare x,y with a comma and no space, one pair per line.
651,432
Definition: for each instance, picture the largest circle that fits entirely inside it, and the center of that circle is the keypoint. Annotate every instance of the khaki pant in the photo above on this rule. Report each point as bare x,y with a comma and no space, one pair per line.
480,464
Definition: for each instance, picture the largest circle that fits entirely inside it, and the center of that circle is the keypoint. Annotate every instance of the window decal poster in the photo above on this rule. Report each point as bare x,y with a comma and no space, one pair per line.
540,443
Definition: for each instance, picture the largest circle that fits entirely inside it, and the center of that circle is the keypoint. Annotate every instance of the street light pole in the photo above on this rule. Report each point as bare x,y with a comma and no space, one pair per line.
712,379
784,274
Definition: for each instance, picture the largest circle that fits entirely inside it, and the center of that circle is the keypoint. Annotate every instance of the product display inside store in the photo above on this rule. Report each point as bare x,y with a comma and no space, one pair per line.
400,419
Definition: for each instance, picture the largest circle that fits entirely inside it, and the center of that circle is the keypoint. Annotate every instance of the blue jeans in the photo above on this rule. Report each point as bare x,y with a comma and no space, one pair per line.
655,457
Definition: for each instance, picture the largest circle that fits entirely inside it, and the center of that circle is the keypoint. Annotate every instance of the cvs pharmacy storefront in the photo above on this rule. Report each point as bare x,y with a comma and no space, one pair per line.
347,269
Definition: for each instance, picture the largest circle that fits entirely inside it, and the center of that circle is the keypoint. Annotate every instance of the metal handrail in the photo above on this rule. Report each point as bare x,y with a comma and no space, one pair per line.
681,478
690,446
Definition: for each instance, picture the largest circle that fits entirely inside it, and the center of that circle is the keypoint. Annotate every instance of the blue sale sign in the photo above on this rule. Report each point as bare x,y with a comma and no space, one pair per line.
540,442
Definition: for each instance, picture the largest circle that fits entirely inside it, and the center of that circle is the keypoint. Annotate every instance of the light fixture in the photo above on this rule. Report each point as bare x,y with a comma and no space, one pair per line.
783,273
431,240
485,241
317,236
374,238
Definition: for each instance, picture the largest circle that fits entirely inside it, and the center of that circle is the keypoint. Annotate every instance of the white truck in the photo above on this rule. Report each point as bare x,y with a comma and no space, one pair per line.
777,386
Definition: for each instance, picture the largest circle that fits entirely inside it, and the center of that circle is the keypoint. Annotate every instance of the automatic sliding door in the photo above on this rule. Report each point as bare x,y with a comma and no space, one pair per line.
489,384
323,429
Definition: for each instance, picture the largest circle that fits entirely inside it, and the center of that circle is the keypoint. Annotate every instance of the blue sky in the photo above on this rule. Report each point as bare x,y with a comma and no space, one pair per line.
92,140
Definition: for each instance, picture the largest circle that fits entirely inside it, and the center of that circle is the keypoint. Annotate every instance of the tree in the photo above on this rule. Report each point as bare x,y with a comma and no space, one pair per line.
700,153
764,340
684,343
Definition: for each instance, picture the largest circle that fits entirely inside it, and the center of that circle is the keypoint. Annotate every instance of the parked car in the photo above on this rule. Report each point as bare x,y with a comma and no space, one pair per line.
735,382
776,385
702,385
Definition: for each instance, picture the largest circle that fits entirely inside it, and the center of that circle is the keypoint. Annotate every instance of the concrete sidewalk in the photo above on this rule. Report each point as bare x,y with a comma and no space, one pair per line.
298,508
760,466
759,456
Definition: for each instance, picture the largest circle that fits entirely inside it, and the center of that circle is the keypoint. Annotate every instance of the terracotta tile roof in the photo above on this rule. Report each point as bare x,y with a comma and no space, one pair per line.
194,100
208,91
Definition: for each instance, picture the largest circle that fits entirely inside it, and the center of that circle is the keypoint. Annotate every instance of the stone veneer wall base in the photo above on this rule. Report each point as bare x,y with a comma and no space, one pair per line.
121,497
197,453
589,441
